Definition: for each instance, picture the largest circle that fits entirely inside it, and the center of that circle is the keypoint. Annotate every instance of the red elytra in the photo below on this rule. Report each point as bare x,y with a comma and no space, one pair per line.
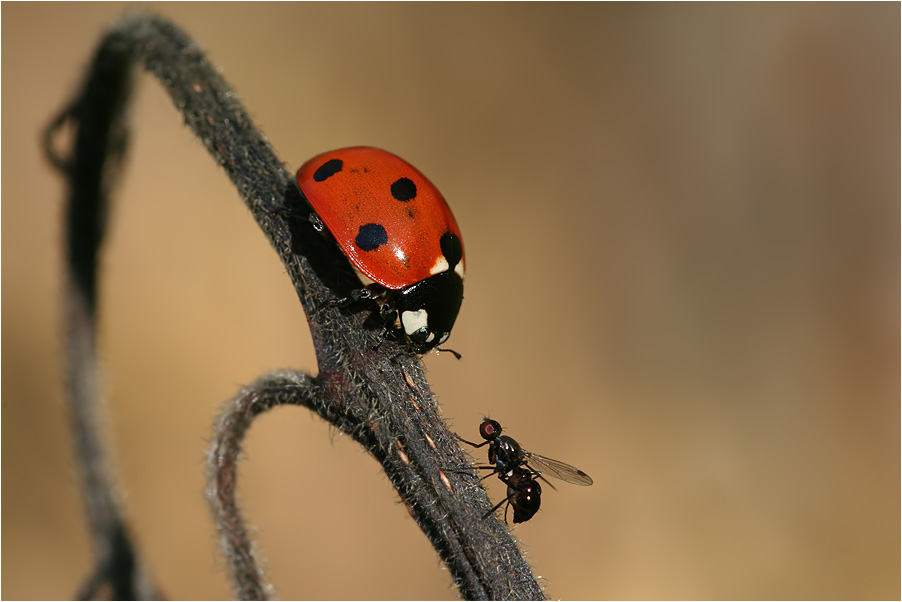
396,228
386,216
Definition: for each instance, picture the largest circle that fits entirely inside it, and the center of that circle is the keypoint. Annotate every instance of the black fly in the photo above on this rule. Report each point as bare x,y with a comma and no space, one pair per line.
519,469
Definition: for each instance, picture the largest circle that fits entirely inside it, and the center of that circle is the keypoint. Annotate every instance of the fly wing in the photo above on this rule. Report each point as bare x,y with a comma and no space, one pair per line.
558,469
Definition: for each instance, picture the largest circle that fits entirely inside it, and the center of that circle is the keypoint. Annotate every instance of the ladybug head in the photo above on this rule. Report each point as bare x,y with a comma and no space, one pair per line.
428,309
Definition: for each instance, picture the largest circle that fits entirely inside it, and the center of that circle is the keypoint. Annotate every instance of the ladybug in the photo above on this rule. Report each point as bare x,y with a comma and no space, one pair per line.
397,230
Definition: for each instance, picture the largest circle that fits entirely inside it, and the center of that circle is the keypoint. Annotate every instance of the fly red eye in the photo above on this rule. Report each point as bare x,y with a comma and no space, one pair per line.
489,429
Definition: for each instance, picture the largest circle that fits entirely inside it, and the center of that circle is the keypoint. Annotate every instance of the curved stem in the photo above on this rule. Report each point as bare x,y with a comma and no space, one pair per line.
222,464
378,396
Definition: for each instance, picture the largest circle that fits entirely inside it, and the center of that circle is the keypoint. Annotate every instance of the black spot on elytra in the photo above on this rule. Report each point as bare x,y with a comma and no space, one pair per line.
403,189
371,237
327,170
451,249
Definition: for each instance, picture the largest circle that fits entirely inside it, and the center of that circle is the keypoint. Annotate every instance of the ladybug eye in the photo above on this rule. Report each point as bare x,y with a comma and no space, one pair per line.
421,336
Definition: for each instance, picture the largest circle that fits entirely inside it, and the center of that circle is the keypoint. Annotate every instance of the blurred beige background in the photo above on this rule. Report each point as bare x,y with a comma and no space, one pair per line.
682,228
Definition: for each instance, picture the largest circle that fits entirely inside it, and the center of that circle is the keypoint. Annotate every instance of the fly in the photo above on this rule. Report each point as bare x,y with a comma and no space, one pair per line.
519,469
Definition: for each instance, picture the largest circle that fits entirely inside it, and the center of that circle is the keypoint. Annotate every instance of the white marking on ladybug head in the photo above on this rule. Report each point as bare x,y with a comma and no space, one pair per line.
413,321
459,268
441,265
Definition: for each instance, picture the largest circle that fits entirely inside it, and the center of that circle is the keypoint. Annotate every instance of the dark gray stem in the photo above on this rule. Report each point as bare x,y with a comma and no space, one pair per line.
378,396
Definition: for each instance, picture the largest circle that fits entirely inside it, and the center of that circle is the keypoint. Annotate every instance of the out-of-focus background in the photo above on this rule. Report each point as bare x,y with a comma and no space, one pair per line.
682,230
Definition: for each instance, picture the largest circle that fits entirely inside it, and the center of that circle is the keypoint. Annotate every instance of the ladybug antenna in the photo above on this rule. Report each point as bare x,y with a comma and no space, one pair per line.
451,351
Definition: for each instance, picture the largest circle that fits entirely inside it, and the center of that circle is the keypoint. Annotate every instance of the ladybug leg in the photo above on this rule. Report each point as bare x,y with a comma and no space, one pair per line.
316,222
383,334
388,327
355,296
290,211
358,294
387,313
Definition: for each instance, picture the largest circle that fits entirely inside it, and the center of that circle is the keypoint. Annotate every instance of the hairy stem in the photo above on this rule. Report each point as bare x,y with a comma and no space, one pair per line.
378,396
